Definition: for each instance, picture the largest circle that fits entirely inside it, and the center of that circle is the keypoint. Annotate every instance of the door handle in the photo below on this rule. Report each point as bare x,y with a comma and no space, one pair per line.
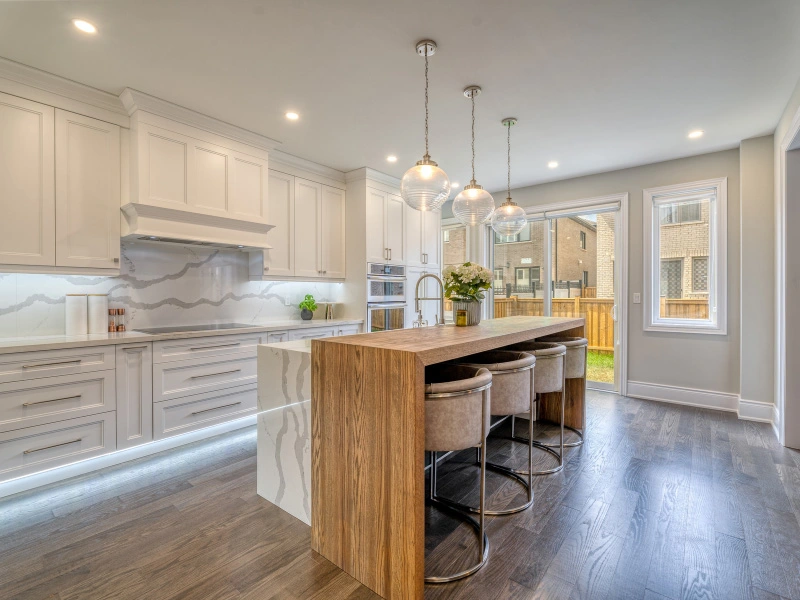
614,313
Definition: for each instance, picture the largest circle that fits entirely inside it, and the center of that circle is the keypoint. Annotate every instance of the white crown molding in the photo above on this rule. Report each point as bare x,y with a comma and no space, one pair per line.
372,175
294,165
134,100
40,86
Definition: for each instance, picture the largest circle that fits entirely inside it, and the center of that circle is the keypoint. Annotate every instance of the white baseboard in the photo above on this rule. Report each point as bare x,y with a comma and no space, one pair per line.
755,410
23,484
686,396
776,422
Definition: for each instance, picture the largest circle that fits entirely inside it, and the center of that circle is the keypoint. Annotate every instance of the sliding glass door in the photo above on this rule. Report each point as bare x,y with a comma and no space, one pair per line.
565,264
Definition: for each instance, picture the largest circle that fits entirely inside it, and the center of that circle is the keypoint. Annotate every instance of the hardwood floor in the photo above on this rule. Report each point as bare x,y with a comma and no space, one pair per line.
663,501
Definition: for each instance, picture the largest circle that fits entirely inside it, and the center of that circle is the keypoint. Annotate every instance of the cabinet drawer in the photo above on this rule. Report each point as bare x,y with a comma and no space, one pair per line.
51,399
217,345
33,449
310,334
178,379
274,337
23,366
174,417
348,329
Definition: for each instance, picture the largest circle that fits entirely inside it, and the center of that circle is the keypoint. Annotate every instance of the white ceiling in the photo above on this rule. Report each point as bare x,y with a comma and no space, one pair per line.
596,84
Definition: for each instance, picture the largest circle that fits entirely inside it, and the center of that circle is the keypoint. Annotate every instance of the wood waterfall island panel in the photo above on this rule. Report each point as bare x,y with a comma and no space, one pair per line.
368,442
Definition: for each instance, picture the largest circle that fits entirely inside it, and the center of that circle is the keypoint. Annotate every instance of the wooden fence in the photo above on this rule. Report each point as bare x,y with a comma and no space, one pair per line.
597,311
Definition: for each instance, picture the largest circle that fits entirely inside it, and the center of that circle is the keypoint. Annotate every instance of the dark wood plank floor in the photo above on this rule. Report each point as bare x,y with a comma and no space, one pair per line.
663,501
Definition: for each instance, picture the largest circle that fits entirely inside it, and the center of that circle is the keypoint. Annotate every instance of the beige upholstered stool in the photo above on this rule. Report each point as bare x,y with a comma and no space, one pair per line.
548,377
512,393
457,413
577,361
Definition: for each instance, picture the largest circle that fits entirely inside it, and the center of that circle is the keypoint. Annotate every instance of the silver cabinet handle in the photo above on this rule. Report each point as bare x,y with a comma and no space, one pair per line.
216,346
390,254
51,364
51,400
126,348
212,374
53,446
197,412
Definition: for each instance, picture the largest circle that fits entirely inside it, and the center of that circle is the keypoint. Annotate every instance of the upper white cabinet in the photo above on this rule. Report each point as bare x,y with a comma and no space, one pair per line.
422,237
27,185
87,192
308,239
61,183
385,227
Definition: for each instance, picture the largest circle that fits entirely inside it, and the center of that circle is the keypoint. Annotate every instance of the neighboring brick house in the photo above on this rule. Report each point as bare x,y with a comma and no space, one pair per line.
454,250
605,254
685,241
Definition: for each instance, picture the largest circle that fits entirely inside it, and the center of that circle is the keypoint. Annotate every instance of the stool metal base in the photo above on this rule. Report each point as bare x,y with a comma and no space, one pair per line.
575,444
445,507
546,448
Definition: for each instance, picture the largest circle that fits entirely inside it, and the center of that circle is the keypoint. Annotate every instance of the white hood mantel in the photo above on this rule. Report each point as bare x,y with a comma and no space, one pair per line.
194,179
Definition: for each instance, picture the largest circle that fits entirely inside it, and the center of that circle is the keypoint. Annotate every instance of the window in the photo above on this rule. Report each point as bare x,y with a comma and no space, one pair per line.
446,236
686,257
522,236
586,279
498,279
700,274
583,240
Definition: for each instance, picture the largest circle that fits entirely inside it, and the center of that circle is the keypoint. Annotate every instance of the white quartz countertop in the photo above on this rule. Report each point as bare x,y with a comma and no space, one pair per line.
30,344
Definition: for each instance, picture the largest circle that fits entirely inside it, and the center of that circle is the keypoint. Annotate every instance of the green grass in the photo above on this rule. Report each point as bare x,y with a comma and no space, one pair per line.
601,366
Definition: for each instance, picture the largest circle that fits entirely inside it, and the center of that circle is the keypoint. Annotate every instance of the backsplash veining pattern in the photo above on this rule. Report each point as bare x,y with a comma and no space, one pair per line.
158,285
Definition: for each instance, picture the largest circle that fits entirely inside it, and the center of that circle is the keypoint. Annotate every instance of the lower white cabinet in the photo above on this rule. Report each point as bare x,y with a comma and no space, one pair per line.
348,329
134,395
310,334
187,377
273,337
181,415
32,449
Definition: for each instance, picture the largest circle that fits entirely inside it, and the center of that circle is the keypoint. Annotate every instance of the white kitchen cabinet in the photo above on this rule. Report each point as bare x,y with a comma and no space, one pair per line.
87,192
311,334
332,252
414,251
134,394
27,184
348,330
385,221
279,260
431,238
273,337
249,187
307,228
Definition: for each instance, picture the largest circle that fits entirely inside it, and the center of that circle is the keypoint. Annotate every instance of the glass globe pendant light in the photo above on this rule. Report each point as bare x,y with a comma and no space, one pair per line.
425,186
473,205
509,218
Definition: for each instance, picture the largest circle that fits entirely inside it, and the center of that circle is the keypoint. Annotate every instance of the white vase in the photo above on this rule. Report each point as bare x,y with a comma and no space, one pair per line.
473,309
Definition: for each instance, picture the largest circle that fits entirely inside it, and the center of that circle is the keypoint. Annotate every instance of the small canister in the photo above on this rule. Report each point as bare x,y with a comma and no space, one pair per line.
461,318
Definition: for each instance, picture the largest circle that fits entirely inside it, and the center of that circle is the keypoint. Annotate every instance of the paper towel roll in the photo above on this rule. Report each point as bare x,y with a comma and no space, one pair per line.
77,314
98,313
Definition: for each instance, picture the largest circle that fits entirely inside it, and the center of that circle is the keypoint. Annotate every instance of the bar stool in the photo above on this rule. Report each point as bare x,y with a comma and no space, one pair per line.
577,361
549,377
457,407
512,393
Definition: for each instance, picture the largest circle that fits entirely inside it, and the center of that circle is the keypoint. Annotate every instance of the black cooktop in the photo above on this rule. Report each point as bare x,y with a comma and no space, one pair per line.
182,328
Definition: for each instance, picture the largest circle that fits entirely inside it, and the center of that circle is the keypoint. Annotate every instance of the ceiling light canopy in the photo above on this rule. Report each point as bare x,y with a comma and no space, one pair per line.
84,26
292,116
697,133
425,186
474,205
509,218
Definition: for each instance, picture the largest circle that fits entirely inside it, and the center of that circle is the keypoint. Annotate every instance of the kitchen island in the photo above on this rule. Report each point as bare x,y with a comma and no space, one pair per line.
368,441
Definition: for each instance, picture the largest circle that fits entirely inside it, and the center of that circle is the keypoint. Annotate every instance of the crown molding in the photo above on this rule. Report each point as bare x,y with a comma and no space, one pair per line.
134,100
41,86
372,175
294,165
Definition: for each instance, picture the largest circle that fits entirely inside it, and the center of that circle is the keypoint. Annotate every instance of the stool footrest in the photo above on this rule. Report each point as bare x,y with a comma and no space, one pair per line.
547,449
463,516
507,471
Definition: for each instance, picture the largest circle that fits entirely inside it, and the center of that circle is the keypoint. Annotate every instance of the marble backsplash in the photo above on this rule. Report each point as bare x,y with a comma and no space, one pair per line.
159,285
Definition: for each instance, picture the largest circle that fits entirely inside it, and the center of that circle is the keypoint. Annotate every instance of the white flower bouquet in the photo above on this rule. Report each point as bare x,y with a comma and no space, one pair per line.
467,282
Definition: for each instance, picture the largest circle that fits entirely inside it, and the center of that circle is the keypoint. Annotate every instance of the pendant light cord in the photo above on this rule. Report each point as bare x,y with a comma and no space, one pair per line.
473,138
426,103
509,162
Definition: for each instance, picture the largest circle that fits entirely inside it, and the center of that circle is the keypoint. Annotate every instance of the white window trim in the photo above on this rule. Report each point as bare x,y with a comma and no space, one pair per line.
718,262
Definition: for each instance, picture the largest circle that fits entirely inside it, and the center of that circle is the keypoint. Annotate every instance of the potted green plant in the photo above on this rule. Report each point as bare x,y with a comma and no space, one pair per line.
464,286
307,307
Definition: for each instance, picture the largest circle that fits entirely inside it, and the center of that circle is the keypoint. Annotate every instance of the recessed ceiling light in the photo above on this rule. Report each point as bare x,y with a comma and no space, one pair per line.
391,158
292,116
552,164
697,133
84,26
454,184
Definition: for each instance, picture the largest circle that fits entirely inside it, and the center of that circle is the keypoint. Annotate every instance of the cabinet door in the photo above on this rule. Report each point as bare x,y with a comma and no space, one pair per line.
432,235
307,228
273,337
163,167
377,250
333,232
414,241
250,191
396,229
27,188
209,178
279,260
87,192
134,395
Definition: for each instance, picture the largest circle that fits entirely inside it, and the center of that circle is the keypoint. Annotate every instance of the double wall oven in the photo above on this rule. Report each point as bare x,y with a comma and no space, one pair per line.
386,297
